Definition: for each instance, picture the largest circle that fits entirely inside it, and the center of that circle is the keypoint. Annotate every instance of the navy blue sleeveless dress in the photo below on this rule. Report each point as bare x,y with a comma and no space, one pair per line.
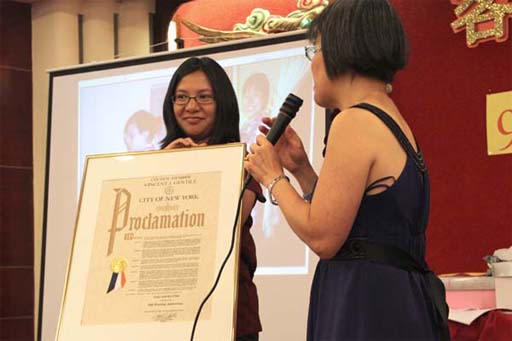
364,300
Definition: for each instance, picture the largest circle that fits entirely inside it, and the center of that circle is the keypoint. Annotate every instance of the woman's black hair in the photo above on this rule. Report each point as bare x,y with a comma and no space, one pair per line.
361,36
227,118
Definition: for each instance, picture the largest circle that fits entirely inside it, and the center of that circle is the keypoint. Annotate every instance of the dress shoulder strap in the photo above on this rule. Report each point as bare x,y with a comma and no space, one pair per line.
416,156
399,134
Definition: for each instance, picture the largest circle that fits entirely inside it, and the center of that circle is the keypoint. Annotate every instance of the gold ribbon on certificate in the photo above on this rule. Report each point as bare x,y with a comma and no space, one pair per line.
118,279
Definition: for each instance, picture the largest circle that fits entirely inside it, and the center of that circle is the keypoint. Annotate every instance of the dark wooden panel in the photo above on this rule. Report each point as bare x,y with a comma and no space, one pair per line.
16,292
16,204
17,329
15,117
16,215
15,34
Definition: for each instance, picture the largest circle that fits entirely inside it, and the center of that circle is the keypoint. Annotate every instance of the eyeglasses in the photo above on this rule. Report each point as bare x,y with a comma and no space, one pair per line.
184,99
310,51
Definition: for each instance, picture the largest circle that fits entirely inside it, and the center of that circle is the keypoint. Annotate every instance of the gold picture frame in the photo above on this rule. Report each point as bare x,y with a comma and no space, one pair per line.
151,233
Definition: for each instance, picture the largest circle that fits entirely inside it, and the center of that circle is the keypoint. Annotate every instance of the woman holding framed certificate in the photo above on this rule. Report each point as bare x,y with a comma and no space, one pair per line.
200,108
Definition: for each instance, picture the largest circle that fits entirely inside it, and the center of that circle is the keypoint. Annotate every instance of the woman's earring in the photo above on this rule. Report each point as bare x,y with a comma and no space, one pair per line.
389,88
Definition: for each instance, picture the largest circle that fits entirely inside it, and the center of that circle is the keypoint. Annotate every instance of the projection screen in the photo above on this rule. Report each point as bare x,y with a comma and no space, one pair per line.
117,107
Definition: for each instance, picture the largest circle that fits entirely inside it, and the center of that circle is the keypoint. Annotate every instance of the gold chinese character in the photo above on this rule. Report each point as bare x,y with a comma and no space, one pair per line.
483,13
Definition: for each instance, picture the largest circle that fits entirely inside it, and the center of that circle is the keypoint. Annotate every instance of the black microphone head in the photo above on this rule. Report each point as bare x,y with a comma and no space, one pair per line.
291,105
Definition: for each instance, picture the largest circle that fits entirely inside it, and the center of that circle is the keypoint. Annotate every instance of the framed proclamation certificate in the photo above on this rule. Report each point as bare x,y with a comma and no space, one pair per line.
152,231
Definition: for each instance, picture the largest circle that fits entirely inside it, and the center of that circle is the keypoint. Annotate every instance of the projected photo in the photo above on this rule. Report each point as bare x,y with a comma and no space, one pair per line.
254,104
261,88
143,131
124,113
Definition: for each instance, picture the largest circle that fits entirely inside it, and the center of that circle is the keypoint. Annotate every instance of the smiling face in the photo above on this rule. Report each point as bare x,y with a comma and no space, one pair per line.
196,120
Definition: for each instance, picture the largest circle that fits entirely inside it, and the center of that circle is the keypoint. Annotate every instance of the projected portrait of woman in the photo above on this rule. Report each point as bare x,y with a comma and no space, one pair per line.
143,131
254,105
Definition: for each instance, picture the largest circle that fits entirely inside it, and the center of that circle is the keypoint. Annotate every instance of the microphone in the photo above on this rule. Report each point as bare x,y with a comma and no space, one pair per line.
287,112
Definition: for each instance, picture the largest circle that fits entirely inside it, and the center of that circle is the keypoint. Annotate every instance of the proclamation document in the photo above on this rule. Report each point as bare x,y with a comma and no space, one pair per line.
152,231
152,236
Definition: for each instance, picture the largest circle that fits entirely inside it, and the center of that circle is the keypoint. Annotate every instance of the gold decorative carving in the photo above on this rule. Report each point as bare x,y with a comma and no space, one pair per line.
261,22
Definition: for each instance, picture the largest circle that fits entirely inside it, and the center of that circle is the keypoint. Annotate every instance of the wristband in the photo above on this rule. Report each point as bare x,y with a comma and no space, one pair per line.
272,184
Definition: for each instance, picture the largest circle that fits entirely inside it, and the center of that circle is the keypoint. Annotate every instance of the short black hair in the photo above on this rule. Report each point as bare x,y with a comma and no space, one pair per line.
227,115
361,36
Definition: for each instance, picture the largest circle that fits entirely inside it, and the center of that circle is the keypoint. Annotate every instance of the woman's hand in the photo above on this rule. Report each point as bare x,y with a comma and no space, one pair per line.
263,163
185,142
289,147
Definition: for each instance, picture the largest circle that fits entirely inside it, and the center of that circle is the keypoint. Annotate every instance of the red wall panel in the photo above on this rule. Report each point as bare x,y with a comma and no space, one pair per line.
442,93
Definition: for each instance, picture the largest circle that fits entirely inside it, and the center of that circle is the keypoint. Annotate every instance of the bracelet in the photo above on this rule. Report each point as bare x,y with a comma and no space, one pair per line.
271,186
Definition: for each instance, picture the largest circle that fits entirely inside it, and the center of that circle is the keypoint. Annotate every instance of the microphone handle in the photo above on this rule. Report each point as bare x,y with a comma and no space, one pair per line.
278,127
288,110
275,132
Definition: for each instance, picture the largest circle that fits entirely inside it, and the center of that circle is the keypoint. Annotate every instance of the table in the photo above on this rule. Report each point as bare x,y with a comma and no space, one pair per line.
495,325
